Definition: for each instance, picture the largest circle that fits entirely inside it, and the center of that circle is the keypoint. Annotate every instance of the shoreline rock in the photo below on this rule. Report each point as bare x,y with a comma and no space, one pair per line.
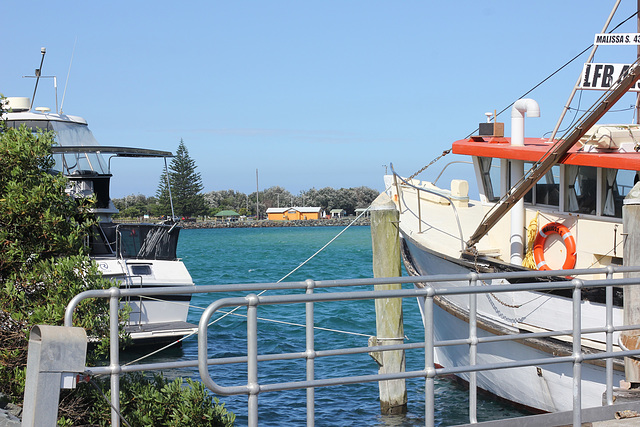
9,413
334,222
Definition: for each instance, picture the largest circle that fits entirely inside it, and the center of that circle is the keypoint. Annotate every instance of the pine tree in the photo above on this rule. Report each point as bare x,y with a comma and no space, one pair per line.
186,186
162,194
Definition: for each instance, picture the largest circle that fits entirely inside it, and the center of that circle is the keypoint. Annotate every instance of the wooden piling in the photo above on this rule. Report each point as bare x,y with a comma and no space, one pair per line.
385,241
631,305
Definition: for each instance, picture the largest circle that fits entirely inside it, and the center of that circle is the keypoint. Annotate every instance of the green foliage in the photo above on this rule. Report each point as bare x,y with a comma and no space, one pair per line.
136,206
327,198
43,265
229,200
39,295
37,219
43,262
157,402
186,186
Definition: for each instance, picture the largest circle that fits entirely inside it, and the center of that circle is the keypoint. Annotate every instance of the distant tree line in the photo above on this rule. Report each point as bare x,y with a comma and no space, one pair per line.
182,184
327,198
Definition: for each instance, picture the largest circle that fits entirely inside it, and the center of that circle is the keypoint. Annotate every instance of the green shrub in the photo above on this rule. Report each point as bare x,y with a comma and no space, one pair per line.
155,402
43,264
43,259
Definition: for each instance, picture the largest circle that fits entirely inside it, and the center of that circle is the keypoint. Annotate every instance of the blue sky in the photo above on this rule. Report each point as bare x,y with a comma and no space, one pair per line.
310,93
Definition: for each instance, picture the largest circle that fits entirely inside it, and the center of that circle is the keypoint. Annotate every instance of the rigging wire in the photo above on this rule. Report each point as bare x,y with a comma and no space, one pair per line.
566,64
559,69
97,387
573,120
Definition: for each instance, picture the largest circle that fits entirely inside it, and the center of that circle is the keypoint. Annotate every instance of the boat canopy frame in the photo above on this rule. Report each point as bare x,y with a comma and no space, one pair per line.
113,150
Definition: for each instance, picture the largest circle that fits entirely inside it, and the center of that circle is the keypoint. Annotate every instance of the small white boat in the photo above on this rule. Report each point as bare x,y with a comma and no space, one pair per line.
133,255
573,189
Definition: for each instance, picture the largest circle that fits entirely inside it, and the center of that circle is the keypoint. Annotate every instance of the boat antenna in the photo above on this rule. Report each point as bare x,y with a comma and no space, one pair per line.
43,50
68,72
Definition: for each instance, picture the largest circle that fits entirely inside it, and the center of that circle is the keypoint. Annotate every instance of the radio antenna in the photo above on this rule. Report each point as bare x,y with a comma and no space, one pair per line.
38,73
68,72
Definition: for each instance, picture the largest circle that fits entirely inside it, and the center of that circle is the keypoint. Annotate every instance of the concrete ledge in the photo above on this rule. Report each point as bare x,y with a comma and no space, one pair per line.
601,416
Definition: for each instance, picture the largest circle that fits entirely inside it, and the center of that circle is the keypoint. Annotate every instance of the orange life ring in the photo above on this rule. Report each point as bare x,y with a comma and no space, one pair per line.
567,238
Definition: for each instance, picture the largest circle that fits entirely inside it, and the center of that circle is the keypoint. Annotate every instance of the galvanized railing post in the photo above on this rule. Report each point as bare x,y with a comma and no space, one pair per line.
609,338
473,350
429,360
253,388
114,355
252,359
419,211
577,352
311,355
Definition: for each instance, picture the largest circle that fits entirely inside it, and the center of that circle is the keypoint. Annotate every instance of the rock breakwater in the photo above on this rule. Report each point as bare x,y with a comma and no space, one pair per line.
335,222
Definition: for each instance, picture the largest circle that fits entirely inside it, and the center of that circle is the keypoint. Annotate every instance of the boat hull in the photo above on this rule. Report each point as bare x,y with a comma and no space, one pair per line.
547,388
160,318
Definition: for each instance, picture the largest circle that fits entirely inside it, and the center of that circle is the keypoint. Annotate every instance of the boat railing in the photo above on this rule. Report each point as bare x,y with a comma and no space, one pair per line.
466,162
404,182
477,285
134,302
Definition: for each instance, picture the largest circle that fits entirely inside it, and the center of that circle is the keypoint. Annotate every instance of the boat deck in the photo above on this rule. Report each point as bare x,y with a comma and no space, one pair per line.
437,225
155,333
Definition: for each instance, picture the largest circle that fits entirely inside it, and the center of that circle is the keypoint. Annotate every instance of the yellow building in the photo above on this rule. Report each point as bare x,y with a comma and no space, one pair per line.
294,213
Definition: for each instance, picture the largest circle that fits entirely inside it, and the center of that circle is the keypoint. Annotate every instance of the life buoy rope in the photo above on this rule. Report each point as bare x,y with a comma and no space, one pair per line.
567,238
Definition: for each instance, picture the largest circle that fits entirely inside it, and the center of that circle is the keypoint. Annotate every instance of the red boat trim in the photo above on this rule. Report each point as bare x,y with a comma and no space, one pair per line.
535,148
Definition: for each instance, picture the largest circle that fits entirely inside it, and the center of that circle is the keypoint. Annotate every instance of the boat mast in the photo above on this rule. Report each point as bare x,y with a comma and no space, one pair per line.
556,153
43,51
591,55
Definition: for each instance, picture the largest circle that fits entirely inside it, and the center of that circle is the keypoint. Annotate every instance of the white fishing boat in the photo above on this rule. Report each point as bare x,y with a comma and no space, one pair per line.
569,191
133,255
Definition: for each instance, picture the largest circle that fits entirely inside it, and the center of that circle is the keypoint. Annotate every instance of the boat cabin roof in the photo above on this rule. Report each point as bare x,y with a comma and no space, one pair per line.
116,151
535,148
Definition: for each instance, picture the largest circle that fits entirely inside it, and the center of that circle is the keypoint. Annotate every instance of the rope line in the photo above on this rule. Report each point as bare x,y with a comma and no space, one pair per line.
304,326
259,294
97,387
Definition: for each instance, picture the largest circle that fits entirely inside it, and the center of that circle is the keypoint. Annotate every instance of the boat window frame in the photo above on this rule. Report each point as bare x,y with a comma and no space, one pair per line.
531,197
487,178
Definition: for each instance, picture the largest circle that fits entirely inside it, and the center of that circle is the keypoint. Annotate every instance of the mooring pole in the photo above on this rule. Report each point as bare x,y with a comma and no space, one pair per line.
385,241
631,304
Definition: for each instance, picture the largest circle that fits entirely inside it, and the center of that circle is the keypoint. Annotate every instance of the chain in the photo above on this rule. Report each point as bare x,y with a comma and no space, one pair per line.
475,264
444,153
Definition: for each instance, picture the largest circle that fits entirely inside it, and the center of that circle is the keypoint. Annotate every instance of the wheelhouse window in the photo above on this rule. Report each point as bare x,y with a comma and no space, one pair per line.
490,172
617,184
582,185
547,190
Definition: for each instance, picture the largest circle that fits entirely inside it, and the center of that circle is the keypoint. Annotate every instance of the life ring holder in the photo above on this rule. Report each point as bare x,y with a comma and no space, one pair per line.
567,238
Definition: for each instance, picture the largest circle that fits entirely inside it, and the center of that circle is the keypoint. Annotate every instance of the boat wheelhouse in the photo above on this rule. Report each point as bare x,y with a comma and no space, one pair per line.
543,203
133,255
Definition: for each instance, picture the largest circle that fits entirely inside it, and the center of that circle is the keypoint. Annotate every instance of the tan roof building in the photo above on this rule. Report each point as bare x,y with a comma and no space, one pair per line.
294,213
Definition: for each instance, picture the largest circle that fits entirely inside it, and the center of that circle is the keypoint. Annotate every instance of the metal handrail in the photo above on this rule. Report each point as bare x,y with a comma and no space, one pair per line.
418,189
466,162
428,293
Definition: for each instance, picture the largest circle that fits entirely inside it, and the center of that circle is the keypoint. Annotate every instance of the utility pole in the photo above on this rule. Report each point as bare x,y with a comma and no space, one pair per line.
257,198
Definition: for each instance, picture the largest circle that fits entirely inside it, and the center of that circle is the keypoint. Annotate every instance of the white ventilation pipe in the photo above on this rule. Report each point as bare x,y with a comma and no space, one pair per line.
518,231
520,107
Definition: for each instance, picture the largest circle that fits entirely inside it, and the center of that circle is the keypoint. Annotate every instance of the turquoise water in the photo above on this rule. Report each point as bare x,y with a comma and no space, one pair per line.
224,256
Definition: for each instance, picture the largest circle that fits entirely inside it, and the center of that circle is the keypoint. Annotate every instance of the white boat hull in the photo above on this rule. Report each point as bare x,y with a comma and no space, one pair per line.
547,388
155,317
